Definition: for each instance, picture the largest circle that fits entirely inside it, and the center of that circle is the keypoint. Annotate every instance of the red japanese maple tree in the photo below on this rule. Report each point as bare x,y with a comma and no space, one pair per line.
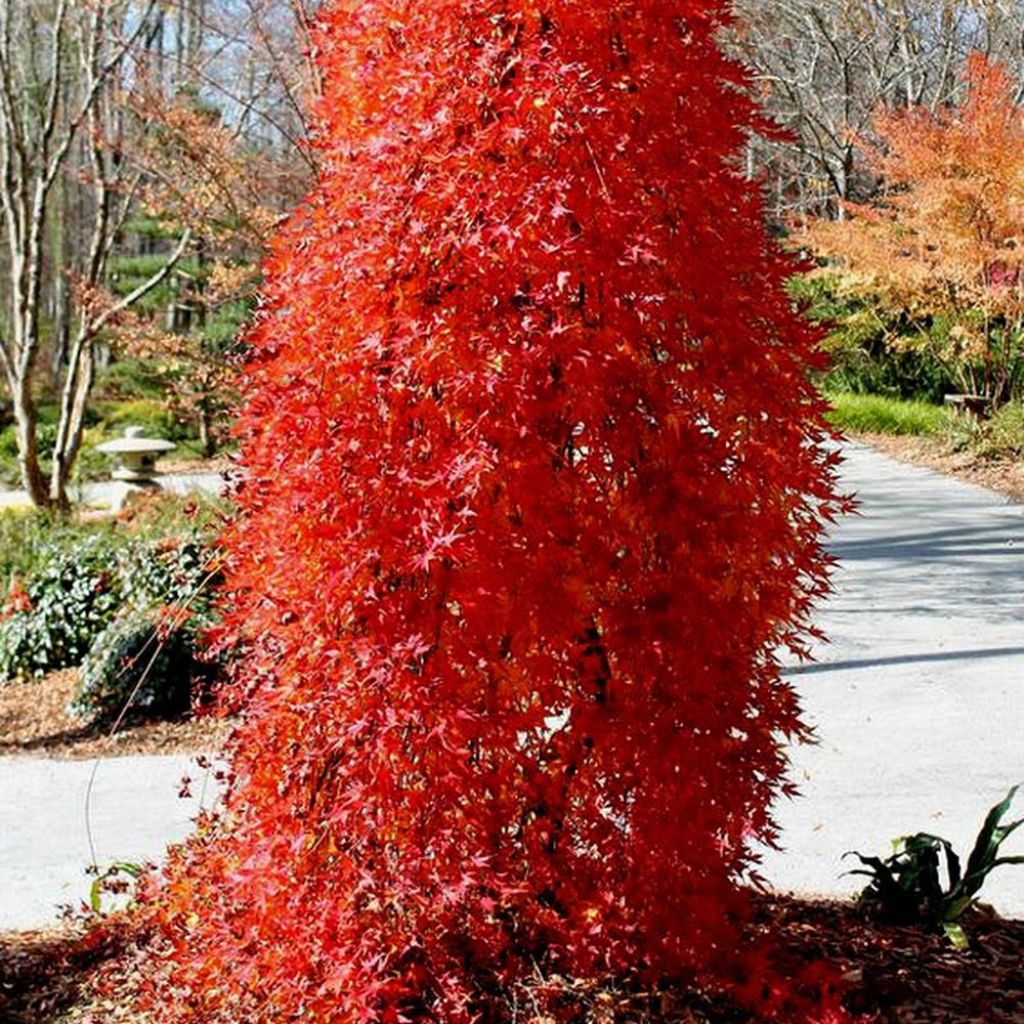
533,496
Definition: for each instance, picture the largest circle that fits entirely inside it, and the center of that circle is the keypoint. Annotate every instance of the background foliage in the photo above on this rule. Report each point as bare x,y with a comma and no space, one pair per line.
938,250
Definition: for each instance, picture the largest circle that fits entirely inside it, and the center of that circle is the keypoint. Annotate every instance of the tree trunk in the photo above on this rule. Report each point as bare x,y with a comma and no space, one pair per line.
77,386
25,421
61,332
206,429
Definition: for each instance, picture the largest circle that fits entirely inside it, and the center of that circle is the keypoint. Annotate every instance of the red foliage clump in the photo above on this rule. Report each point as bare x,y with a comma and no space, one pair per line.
17,599
534,489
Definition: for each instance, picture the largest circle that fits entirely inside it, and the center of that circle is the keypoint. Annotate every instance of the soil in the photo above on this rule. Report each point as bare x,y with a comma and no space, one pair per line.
886,974
34,719
890,975
906,975
1004,475
46,975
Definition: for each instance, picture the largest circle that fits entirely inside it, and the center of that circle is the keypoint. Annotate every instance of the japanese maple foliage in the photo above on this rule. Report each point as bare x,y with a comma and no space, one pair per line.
534,490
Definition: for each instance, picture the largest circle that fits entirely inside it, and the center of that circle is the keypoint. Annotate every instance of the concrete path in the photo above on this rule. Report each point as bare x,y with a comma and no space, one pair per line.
110,493
133,812
918,700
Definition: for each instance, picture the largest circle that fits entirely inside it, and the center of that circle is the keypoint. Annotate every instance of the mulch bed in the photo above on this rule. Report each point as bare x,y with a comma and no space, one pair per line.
895,975
34,719
45,975
906,975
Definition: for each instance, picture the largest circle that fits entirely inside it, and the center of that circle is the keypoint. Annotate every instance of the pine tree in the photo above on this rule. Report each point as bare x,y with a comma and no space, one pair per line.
534,489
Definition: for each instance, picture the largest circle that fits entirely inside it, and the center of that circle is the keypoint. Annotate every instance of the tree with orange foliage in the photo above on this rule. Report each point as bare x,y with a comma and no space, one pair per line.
944,240
534,487
199,173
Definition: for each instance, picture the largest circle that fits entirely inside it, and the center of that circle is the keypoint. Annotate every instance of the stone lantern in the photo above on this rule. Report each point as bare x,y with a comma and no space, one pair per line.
135,456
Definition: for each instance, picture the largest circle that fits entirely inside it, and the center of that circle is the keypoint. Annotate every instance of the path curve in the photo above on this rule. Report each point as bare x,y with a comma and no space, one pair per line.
918,698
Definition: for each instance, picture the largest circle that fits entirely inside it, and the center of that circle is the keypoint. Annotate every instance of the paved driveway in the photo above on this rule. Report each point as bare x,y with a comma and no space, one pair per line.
919,698
110,493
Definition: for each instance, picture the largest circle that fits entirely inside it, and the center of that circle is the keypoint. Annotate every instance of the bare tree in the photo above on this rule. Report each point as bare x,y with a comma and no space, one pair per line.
86,86
64,67
256,66
822,67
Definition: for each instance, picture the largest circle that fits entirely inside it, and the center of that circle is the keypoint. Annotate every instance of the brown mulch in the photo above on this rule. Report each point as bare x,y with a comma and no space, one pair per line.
45,974
34,719
1004,475
905,975
893,975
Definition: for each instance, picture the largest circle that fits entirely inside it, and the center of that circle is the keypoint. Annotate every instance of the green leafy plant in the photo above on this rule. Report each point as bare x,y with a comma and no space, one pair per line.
72,582
907,887
147,661
144,664
71,598
169,571
115,880
1000,436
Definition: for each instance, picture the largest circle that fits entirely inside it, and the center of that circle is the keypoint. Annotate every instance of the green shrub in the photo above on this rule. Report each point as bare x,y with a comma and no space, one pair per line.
875,414
78,578
904,374
151,414
129,379
72,597
29,536
170,572
1001,436
873,350
147,661
144,664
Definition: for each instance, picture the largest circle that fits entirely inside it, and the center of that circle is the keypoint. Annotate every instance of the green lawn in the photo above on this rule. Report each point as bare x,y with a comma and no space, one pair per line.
877,414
